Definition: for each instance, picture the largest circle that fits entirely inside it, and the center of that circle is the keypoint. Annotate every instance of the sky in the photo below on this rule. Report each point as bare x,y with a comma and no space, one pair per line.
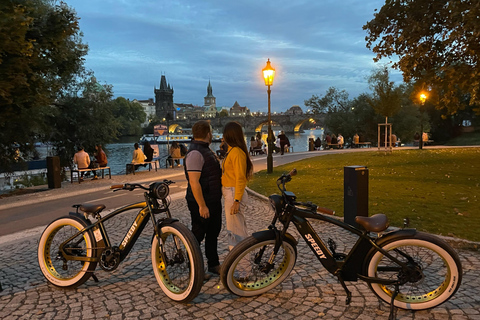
313,45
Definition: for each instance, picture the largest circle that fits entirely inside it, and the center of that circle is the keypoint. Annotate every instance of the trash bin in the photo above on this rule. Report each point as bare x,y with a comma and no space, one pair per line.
53,172
311,144
355,189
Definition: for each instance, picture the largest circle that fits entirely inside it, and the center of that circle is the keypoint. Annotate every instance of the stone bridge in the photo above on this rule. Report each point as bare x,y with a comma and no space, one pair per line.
287,123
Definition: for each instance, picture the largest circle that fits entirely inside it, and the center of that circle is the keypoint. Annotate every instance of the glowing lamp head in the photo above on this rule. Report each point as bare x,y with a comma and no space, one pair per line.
423,97
268,74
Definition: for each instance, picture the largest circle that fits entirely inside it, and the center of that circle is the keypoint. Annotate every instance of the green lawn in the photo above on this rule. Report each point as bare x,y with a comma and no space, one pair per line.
437,189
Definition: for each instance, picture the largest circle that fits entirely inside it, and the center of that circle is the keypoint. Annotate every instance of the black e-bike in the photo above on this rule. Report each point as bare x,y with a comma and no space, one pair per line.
71,247
405,268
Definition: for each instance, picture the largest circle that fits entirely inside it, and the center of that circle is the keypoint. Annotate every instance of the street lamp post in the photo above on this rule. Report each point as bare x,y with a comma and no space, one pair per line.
268,75
423,97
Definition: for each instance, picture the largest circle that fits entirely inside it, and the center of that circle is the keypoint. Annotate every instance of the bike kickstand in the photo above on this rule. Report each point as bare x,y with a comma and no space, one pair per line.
344,286
94,277
392,306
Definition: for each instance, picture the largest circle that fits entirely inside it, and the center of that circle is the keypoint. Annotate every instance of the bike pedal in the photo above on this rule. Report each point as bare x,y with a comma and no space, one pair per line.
207,277
340,256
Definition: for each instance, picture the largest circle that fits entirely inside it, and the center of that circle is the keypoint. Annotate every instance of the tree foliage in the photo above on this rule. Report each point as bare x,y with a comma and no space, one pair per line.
223,113
333,101
436,43
386,97
130,116
41,53
84,116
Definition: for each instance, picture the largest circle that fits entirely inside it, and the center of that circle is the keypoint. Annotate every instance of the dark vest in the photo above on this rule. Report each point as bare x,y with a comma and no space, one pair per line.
211,176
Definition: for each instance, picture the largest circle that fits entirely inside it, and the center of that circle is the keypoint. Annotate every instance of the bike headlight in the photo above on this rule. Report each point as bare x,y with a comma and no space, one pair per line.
277,203
159,190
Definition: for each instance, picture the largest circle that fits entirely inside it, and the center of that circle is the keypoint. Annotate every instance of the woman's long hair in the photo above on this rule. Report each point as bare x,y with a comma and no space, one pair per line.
233,136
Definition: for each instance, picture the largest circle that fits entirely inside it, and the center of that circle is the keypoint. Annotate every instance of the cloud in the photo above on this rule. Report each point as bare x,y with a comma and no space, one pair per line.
312,44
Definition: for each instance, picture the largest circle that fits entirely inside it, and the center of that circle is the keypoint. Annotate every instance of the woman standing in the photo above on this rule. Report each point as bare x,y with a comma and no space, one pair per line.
237,169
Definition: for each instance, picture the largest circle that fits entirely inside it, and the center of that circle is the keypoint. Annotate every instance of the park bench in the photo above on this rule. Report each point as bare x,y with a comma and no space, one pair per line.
167,161
362,144
255,151
416,142
79,171
331,145
130,168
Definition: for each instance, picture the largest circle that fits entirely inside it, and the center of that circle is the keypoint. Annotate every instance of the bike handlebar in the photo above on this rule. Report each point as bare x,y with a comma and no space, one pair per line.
284,178
133,186
326,211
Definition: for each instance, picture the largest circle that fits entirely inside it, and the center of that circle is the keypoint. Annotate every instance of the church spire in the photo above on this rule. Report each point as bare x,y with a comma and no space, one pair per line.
209,89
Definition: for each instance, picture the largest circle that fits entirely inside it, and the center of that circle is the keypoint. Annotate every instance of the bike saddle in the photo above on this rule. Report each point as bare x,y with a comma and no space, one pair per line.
375,223
91,208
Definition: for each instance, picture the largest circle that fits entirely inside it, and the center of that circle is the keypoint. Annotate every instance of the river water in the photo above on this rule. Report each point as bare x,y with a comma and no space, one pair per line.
119,154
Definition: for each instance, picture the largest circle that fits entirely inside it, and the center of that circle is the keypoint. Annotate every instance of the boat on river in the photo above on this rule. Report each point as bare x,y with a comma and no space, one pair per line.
161,136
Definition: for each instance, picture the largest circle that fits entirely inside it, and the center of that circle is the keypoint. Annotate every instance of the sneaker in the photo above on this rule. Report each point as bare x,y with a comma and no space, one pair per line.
214,270
95,178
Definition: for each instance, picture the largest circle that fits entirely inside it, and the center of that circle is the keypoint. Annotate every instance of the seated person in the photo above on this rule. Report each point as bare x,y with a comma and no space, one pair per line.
253,145
138,157
334,139
356,139
148,151
100,160
223,149
174,153
318,143
82,160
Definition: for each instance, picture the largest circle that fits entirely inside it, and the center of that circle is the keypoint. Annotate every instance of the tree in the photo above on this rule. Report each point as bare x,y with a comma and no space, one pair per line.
406,122
437,45
333,100
130,116
365,118
386,97
84,116
223,113
41,53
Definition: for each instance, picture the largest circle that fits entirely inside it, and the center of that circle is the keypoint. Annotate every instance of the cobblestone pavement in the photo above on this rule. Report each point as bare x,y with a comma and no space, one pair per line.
131,291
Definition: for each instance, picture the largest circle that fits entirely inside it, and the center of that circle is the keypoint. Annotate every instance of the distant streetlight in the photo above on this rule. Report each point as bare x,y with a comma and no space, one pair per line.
268,75
423,98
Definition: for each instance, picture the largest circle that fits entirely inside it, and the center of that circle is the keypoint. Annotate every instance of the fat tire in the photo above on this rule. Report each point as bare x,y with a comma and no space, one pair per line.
52,266
243,277
180,281
441,270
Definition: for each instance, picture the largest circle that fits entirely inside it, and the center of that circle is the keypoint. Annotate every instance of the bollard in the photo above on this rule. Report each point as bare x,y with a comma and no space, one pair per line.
53,172
355,197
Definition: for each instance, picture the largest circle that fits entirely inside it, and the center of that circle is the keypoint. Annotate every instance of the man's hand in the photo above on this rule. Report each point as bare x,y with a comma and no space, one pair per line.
204,212
194,179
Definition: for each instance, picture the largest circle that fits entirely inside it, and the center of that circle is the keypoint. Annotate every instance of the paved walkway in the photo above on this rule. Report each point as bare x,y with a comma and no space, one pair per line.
131,291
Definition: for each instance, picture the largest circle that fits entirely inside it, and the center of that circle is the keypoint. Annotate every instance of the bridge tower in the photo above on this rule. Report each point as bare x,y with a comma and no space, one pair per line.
164,108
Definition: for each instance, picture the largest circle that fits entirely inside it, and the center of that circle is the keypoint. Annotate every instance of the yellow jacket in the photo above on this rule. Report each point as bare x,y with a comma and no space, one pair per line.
234,171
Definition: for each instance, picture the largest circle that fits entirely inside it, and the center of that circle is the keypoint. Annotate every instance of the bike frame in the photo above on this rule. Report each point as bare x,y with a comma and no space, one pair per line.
349,269
147,210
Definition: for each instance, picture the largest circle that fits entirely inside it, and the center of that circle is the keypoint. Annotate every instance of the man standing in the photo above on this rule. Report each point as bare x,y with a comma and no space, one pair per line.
204,192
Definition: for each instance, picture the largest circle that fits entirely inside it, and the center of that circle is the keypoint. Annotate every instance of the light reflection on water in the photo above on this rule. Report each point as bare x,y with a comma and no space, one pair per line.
119,154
